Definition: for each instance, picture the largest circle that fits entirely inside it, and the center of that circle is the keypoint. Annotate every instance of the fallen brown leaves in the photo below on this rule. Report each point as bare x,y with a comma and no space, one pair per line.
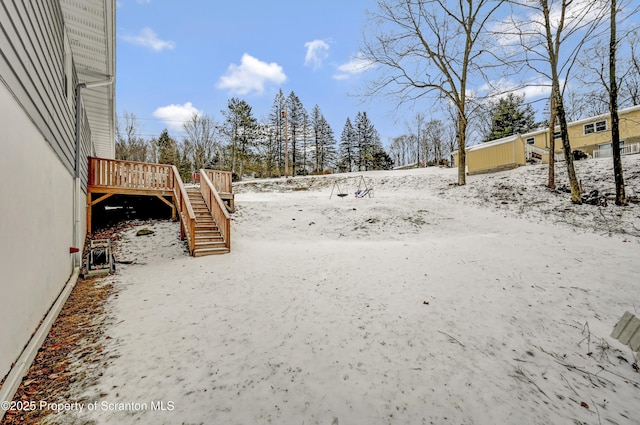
76,334
75,340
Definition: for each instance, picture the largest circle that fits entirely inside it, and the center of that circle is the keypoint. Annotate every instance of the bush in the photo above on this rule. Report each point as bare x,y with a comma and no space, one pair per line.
579,155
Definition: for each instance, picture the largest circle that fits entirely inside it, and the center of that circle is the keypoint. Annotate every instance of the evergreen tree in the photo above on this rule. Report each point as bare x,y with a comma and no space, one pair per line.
305,137
240,128
347,147
510,115
167,149
277,122
367,141
185,167
323,139
382,160
328,146
295,115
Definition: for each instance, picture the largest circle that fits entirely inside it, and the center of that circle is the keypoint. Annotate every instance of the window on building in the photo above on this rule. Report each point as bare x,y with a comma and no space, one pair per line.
557,135
531,140
595,127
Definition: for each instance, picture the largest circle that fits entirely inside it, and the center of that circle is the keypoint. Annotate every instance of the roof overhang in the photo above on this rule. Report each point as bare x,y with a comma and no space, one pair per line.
90,27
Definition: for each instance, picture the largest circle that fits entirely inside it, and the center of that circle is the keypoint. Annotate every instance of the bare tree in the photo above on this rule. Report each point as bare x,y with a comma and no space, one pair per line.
552,33
551,183
416,129
600,71
621,198
430,47
632,83
129,145
435,136
200,140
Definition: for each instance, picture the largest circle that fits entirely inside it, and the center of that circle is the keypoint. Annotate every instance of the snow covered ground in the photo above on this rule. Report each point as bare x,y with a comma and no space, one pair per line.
429,303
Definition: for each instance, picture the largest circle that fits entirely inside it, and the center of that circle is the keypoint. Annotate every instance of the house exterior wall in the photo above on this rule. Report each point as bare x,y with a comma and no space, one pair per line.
37,167
32,65
36,228
629,126
510,152
495,156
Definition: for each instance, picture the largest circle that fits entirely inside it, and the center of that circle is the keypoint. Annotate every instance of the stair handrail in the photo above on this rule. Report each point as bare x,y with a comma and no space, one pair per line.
216,206
222,180
188,221
531,149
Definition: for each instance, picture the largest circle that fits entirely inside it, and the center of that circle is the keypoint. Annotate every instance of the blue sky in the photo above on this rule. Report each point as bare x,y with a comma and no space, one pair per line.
175,59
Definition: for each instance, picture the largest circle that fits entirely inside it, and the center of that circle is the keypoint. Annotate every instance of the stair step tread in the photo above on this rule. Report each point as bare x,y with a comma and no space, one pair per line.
203,252
209,243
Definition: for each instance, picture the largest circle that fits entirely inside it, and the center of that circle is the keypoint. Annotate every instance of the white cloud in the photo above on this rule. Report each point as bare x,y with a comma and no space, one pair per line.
251,76
317,51
175,115
531,89
357,65
148,38
527,25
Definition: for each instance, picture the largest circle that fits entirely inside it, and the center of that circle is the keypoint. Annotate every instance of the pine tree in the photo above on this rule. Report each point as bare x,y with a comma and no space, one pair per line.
295,116
367,141
347,147
510,115
305,137
323,140
240,128
277,122
167,149
185,168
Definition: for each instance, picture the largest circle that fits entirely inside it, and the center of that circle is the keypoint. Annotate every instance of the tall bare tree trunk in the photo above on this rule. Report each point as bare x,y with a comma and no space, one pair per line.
568,155
462,153
621,198
552,144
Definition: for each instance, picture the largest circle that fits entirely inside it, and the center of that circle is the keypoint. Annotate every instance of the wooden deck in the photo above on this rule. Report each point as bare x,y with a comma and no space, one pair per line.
108,177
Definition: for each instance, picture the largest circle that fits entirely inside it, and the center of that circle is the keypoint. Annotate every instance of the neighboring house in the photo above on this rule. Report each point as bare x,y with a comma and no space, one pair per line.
591,136
48,49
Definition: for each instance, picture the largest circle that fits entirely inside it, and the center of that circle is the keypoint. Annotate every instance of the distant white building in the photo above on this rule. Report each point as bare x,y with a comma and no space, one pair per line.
52,54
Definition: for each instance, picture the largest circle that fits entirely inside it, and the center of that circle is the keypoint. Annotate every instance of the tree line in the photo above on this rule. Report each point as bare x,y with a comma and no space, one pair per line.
290,141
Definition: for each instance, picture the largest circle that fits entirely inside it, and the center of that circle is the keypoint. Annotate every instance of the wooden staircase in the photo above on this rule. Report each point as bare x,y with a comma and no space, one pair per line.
207,235
203,211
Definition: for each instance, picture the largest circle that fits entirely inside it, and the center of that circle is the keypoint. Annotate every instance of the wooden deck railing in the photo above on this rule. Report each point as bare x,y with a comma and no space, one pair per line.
113,176
185,210
216,205
109,177
130,175
221,180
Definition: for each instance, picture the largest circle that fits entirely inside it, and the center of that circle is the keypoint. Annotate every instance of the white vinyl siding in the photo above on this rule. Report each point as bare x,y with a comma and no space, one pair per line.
32,67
